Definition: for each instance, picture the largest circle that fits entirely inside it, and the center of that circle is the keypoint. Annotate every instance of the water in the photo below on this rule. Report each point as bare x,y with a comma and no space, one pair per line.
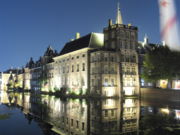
26,114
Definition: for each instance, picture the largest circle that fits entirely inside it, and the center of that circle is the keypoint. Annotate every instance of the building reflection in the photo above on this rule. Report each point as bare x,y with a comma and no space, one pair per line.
79,116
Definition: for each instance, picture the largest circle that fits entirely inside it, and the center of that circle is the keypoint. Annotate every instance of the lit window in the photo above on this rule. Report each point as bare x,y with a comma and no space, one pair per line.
112,82
105,82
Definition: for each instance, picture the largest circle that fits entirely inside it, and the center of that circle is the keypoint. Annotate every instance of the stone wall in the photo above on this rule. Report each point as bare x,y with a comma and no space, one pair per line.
160,97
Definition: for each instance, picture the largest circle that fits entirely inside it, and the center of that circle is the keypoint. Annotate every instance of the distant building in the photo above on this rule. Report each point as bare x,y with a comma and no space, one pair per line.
12,78
36,75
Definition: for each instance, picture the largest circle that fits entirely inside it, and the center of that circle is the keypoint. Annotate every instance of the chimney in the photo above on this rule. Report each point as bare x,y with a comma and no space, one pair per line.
146,41
110,22
77,35
71,39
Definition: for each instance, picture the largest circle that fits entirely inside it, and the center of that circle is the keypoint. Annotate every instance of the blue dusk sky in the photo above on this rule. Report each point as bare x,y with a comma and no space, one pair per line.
28,27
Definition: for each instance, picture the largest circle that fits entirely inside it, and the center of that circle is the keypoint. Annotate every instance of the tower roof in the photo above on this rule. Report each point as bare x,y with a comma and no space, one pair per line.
119,16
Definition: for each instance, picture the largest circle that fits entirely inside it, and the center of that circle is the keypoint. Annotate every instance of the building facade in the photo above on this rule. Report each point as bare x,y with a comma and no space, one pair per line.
100,64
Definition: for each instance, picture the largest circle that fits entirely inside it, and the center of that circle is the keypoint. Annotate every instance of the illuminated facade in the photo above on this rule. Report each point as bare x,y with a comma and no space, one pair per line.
12,78
26,79
4,80
114,68
72,65
101,64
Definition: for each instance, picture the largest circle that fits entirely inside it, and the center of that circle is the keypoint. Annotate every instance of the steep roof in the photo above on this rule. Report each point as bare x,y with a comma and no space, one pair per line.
92,40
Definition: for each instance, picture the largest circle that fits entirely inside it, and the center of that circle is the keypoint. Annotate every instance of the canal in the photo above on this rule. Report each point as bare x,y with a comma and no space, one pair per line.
27,114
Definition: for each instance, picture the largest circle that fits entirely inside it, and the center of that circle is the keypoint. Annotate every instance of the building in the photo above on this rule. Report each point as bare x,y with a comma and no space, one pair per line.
101,64
143,48
72,67
12,78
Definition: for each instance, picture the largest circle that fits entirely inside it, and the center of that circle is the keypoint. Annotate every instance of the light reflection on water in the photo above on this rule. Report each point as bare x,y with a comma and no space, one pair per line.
47,115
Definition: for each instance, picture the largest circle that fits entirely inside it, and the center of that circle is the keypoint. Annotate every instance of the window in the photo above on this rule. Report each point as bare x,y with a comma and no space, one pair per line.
72,68
112,82
71,122
106,36
63,119
133,69
105,58
133,35
112,112
83,83
77,67
77,57
83,55
125,45
83,126
112,69
128,69
112,58
92,82
105,82
77,124
83,67
123,69
112,34
68,69
66,120
106,113
113,44
63,69
105,68
72,58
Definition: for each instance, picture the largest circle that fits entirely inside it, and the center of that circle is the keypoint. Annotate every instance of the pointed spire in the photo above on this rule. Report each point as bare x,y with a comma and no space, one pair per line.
119,16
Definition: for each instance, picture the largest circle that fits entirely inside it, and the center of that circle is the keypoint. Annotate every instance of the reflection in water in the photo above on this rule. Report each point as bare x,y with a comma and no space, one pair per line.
79,117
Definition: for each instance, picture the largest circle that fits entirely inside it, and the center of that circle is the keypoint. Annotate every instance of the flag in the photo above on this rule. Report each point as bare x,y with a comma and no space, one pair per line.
169,24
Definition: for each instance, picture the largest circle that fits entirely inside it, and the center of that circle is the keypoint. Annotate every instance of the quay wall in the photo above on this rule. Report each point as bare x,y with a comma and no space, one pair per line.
161,94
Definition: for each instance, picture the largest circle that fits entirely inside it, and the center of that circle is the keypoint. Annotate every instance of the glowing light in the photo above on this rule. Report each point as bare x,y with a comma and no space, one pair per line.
129,91
176,84
177,112
163,84
165,110
129,103
109,103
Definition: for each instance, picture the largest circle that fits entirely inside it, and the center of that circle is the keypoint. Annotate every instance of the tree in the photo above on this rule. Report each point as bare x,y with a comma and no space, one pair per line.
160,63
